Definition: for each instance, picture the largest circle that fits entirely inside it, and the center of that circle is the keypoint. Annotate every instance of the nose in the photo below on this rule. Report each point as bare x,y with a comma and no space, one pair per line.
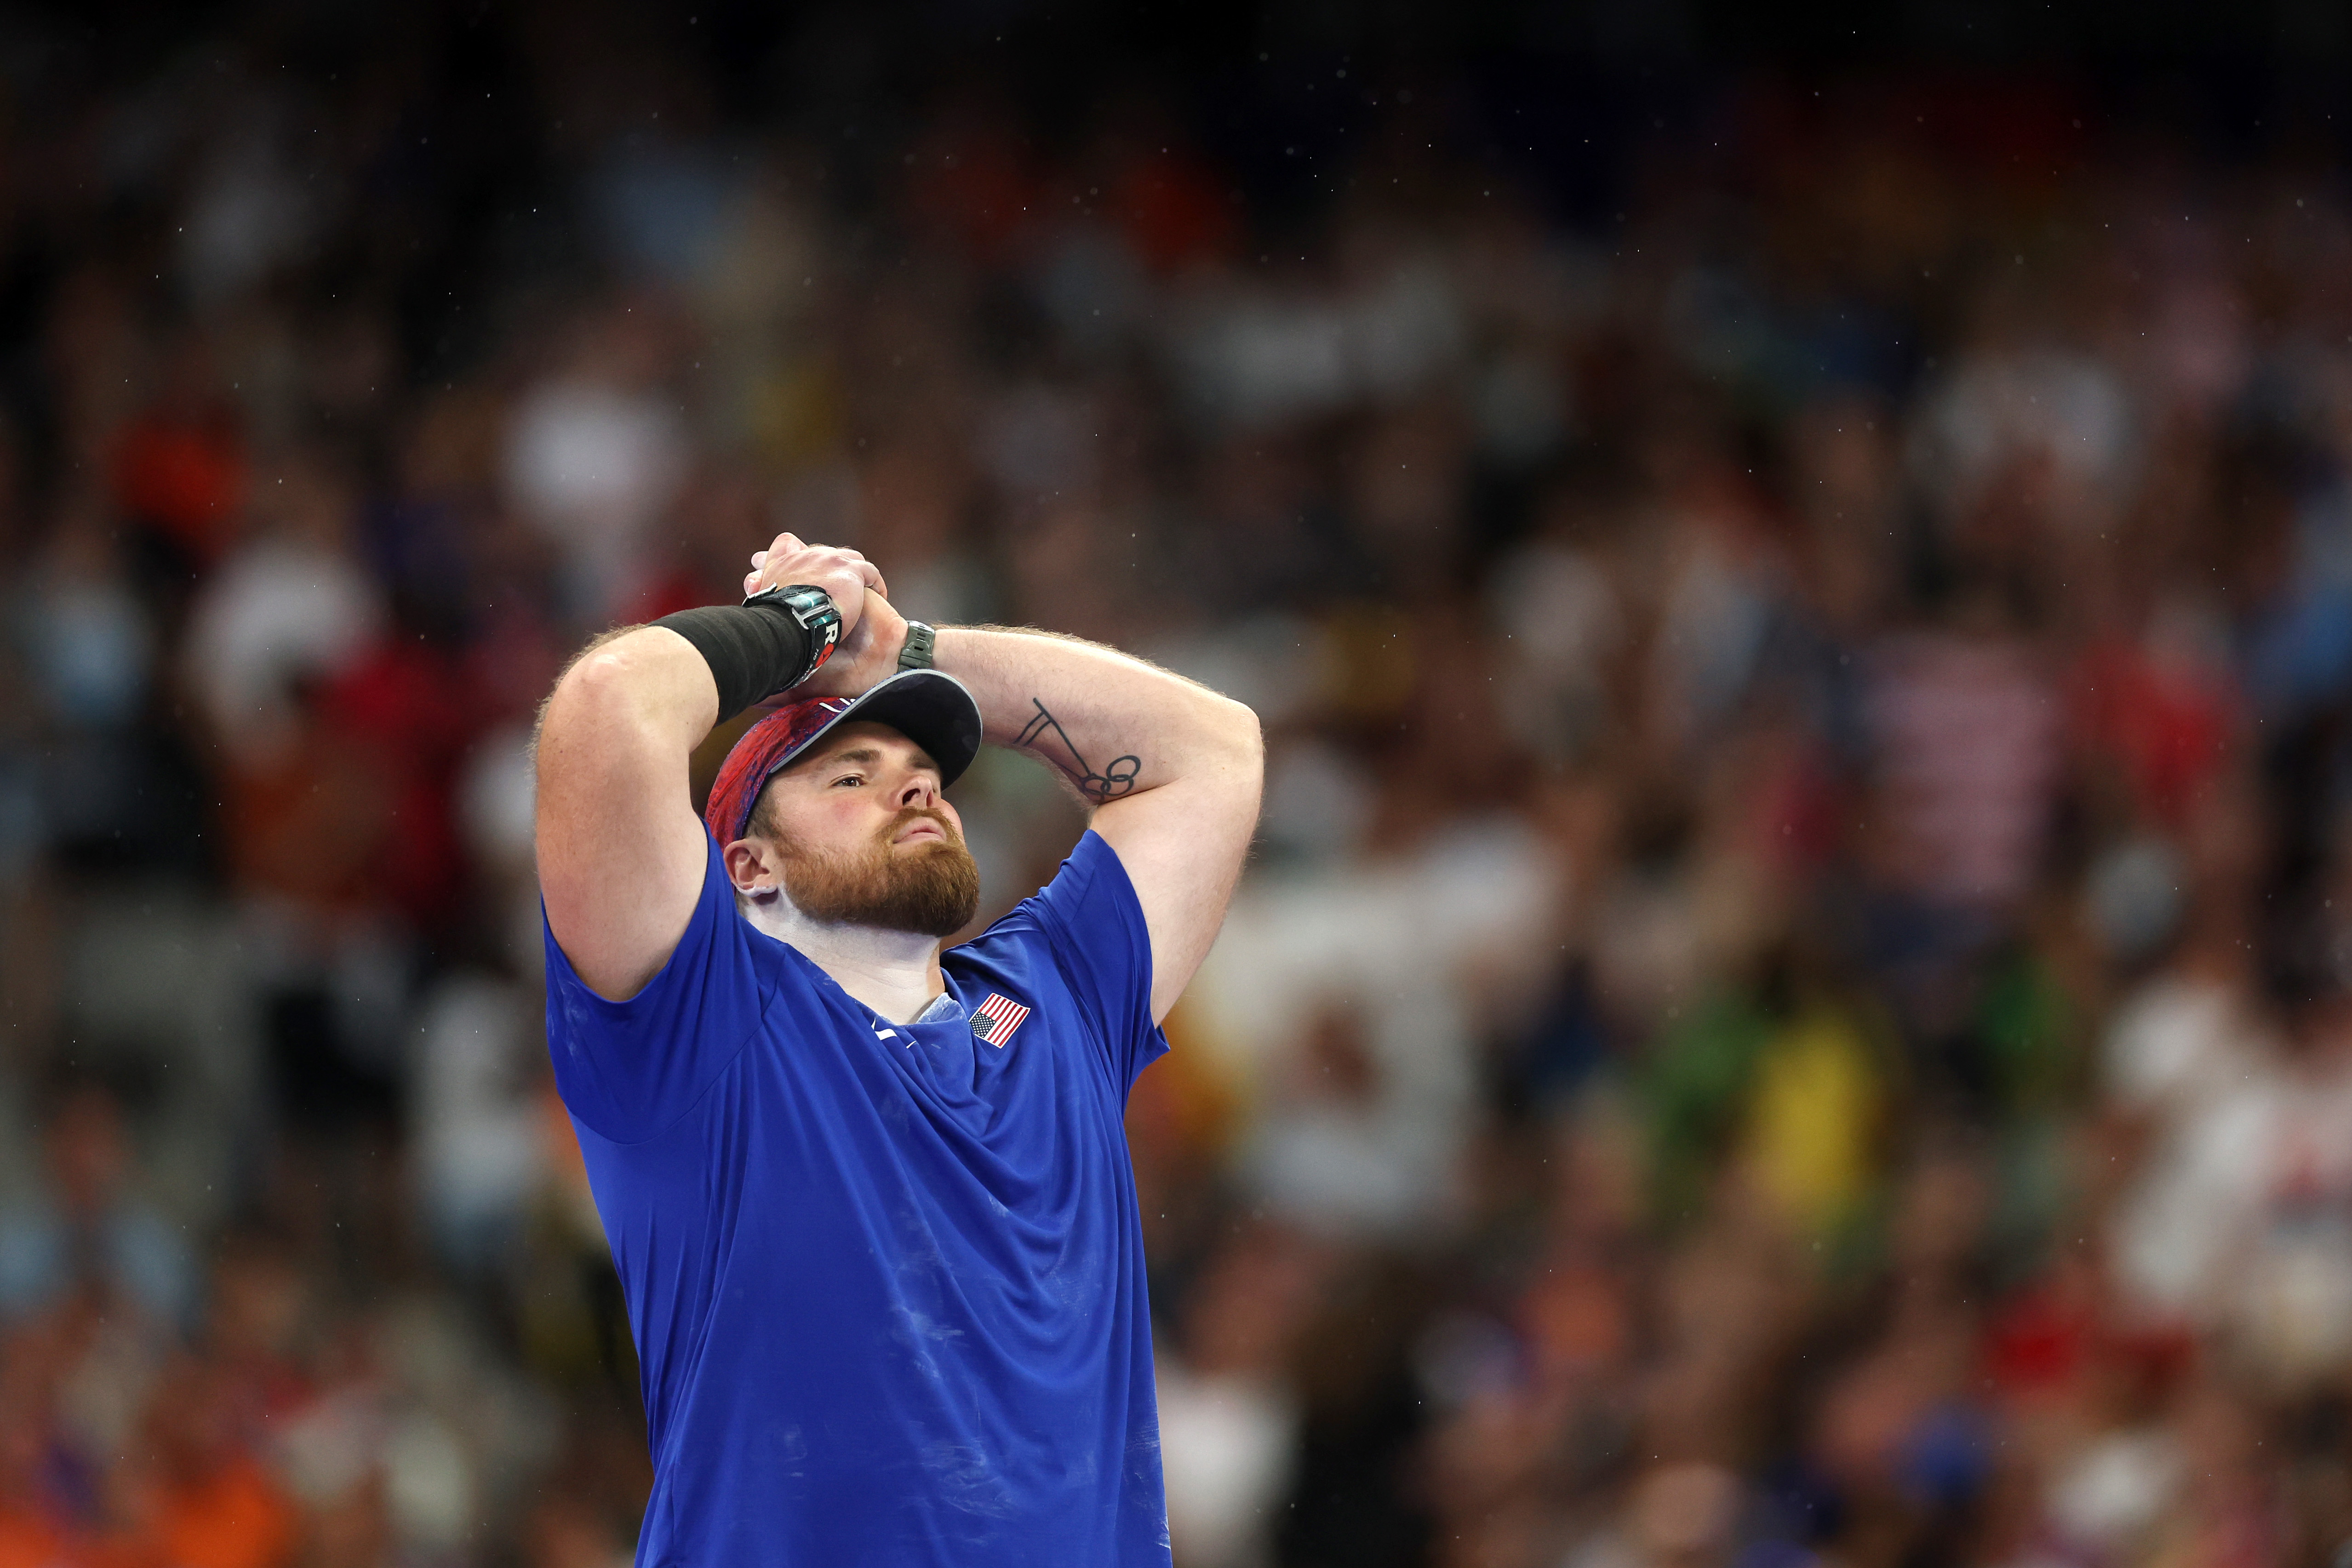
921,789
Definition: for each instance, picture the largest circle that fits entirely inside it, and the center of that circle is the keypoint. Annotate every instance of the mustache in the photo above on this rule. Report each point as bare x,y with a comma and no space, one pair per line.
898,824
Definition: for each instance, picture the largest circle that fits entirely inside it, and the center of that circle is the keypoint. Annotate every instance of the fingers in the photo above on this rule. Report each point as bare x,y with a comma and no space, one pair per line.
790,544
790,559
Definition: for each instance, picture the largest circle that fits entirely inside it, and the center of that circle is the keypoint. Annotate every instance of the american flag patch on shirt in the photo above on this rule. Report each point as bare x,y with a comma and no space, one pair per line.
995,1019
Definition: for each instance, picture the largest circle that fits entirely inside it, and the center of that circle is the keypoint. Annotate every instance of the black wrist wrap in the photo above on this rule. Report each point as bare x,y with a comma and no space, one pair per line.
751,650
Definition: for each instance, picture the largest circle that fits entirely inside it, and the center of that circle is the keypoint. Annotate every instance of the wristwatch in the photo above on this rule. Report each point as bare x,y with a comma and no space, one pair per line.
813,609
917,653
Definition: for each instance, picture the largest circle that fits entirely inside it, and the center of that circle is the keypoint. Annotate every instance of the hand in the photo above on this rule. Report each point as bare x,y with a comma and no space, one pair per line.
865,657
840,571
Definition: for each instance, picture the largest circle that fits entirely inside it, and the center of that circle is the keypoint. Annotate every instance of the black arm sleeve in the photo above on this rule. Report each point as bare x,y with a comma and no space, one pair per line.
751,650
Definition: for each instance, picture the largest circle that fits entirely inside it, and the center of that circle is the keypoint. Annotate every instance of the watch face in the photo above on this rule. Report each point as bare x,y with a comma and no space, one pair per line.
807,603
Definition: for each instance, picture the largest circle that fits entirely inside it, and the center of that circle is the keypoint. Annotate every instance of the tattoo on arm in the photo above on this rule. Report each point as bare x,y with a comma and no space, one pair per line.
1110,783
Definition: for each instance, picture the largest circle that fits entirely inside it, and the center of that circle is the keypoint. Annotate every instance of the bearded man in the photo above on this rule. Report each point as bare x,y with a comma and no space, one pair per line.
871,1201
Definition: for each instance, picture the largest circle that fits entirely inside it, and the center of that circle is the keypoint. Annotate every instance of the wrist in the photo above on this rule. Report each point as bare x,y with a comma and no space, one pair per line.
770,643
810,608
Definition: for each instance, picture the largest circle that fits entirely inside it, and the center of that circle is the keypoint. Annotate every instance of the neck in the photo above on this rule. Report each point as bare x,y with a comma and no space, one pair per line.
895,972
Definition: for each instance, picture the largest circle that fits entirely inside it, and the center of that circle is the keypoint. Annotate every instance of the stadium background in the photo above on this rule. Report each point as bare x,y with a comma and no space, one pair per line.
1794,1002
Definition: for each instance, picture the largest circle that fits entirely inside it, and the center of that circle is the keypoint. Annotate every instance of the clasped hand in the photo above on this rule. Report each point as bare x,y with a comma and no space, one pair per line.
872,632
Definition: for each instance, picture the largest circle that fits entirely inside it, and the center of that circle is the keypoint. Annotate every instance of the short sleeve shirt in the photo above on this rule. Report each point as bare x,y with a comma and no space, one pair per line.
886,1279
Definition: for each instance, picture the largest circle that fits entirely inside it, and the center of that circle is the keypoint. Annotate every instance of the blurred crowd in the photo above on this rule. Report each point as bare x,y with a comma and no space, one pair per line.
1788,1005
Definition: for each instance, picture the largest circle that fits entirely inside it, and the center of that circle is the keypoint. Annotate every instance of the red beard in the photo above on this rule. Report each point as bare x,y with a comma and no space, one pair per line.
932,889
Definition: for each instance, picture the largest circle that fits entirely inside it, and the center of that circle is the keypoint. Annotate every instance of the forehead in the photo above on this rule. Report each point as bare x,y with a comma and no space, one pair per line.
861,735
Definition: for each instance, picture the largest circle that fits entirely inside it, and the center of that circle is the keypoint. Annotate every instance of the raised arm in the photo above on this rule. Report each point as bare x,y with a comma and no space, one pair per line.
1170,769
621,852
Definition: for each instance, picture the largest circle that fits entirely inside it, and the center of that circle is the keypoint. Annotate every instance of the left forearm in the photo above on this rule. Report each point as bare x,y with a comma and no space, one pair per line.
1172,769
1110,725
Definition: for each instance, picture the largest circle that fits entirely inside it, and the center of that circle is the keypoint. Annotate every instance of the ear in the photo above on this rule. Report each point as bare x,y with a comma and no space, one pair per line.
753,866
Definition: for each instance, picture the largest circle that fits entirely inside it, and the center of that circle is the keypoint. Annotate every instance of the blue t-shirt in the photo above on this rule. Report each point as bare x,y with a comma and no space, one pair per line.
887,1279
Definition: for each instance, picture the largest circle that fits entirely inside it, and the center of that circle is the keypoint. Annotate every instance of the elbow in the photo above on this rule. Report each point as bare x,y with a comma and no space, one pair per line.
603,700
587,698
598,681
622,676
1242,737
1248,734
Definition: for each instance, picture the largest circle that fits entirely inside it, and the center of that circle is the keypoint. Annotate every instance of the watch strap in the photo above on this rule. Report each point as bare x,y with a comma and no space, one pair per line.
813,609
917,653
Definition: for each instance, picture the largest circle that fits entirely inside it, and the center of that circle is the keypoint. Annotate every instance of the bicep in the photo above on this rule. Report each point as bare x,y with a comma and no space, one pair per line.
1182,846
621,852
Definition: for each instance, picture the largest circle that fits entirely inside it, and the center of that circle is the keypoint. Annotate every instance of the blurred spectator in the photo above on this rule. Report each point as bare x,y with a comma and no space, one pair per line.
83,1231
1229,1418
595,453
290,610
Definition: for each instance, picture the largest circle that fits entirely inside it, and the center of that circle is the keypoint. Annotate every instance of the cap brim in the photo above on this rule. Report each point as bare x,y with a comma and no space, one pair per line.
930,706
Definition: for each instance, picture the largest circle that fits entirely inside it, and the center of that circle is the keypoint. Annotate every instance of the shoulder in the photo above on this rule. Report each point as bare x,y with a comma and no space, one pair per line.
1089,902
628,1067
1081,936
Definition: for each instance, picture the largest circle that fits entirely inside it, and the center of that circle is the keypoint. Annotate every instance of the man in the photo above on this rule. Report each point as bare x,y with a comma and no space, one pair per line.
870,1203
